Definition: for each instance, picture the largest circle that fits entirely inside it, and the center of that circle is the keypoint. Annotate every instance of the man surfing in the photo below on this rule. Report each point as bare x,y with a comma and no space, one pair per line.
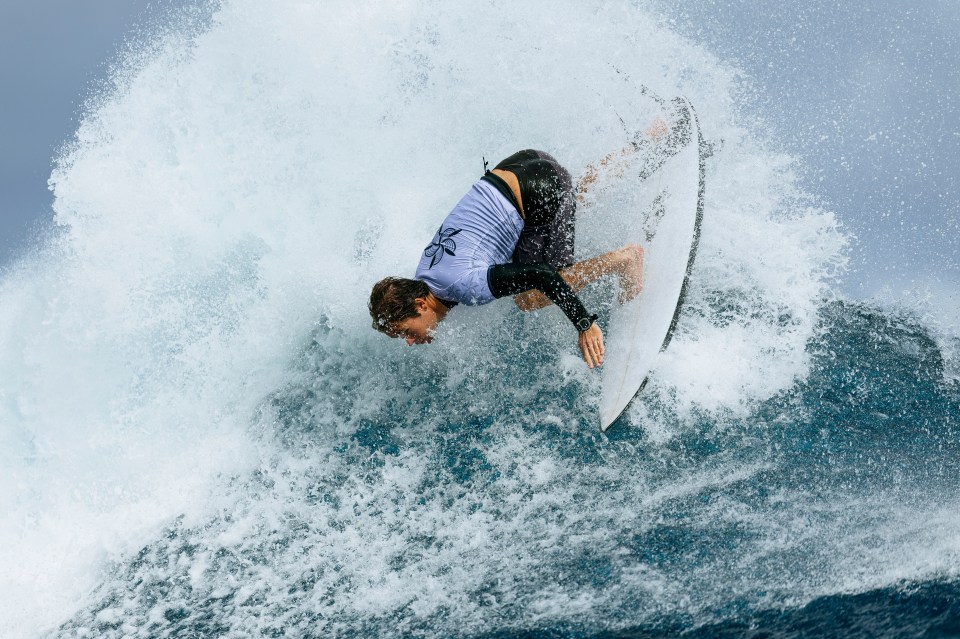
511,234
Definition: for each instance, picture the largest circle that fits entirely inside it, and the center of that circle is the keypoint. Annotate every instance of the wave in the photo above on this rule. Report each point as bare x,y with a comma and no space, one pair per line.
201,432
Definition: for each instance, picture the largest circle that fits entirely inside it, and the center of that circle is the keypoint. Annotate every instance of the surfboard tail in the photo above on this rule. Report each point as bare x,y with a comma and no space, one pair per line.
607,420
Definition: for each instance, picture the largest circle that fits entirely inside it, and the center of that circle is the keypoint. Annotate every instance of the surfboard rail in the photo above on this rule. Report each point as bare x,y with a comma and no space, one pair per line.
635,328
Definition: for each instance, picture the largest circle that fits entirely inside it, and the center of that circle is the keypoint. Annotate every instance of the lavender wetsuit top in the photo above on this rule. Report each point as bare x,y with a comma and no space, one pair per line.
481,231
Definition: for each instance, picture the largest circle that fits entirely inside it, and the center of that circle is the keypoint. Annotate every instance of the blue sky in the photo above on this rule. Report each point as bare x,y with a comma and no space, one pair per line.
866,93
53,53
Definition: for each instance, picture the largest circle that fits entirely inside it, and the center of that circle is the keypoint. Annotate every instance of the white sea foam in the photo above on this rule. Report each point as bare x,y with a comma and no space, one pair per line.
226,209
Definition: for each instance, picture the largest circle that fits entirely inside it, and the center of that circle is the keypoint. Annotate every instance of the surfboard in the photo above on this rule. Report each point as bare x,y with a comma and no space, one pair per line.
668,229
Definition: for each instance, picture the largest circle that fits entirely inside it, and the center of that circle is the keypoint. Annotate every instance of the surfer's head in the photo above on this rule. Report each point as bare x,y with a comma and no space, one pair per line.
405,308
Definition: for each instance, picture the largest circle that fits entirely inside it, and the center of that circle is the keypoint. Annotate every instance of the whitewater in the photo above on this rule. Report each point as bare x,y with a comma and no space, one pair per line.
201,435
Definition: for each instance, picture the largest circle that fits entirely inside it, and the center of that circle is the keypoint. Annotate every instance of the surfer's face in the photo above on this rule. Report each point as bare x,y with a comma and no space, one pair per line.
418,330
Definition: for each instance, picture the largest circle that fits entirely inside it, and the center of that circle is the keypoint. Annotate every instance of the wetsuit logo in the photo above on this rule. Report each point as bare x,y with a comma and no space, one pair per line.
442,244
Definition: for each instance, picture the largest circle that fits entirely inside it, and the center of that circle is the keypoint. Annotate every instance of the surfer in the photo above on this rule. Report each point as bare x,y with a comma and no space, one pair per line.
511,234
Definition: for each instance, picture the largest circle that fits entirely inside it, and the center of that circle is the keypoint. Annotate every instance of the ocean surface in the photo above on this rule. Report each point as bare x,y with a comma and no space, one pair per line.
201,436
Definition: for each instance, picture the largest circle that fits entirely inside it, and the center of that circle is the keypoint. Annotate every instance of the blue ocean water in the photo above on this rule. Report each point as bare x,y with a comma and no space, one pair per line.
201,435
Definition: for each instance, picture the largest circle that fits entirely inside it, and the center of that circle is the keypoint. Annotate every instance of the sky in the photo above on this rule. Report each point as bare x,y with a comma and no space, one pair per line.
865,92
52,54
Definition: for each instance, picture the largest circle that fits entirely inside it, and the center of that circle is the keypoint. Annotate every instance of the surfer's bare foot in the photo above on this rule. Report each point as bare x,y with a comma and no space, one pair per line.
658,129
630,271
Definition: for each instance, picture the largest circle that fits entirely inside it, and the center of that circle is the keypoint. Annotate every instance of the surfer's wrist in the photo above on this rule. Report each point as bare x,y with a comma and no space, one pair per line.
584,323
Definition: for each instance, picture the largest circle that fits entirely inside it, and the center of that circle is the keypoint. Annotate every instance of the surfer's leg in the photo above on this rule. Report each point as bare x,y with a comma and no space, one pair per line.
562,213
618,162
612,161
631,273
550,208
626,263
548,233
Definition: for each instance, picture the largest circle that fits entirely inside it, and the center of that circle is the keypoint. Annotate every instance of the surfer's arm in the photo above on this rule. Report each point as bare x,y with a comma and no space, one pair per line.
626,262
509,279
513,278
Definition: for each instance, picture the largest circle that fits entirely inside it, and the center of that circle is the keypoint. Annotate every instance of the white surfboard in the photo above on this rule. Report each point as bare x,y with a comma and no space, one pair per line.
668,230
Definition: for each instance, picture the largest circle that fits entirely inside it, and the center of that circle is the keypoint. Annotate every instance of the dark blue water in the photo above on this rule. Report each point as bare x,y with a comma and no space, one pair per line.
929,609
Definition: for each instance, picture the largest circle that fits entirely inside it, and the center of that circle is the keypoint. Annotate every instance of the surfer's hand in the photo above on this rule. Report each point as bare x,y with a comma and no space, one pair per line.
591,345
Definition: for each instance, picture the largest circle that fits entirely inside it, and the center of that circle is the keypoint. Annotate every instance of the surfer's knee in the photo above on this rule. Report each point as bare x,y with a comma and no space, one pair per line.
630,256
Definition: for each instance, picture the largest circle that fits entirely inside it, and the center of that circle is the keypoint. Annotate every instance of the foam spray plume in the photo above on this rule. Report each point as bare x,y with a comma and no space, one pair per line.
200,432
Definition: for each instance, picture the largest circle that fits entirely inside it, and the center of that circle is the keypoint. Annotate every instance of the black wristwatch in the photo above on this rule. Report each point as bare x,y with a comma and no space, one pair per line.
585,323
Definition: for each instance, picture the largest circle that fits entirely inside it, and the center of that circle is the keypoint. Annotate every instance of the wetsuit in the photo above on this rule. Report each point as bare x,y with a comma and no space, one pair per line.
485,250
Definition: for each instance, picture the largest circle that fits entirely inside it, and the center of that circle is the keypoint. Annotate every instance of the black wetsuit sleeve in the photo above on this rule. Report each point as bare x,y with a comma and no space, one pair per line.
510,279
